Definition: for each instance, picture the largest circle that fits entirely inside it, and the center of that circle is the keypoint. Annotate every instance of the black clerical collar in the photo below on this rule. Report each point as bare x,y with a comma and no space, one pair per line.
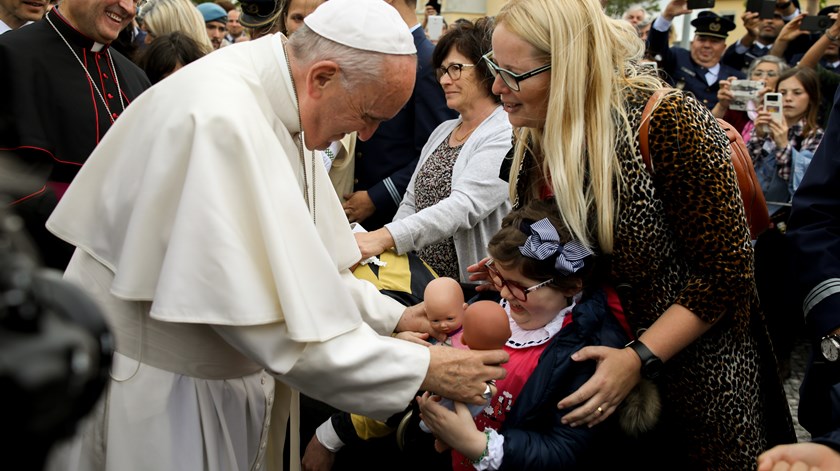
73,35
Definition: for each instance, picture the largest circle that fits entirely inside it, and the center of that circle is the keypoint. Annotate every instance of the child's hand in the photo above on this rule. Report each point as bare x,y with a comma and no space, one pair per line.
414,337
457,428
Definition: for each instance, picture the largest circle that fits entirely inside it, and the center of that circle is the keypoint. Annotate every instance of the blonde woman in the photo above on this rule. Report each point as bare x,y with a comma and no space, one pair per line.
681,253
162,17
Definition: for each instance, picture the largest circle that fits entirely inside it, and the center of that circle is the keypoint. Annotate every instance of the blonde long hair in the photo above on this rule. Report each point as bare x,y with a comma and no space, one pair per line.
162,17
594,66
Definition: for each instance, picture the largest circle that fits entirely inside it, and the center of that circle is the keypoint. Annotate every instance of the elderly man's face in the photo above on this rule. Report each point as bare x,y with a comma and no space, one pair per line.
634,17
101,20
21,11
329,111
707,50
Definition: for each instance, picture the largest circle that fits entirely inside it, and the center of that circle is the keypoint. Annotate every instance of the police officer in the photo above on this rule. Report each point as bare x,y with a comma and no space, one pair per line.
699,69
812,230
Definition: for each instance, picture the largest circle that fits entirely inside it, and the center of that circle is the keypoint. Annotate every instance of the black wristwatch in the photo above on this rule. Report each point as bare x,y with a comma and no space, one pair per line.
830,346
651,364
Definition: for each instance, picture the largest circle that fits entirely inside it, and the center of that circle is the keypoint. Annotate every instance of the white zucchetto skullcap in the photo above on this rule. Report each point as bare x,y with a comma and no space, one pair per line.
368,25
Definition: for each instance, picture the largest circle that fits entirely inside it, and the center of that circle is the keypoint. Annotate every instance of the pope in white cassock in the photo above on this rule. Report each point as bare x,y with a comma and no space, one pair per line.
215,245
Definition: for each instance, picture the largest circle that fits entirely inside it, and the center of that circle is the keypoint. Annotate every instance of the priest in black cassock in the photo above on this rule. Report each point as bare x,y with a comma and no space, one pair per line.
61,88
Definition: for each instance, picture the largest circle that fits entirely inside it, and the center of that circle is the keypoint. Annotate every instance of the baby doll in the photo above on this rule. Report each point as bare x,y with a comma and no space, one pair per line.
444,304
485,327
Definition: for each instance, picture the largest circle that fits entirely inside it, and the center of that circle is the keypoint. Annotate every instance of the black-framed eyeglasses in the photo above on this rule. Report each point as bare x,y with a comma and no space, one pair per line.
509,78
452,70
516,290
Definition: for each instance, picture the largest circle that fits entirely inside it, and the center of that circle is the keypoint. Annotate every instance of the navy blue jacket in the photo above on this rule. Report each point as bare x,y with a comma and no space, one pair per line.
385,162
534,437
814,232
742,61
684,73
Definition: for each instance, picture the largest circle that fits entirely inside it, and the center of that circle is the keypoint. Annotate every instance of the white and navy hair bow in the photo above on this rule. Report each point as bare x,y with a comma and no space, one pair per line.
543,242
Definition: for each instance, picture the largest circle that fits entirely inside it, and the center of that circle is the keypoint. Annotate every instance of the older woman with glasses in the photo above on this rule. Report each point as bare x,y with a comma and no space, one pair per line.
455,200
765,69
676,234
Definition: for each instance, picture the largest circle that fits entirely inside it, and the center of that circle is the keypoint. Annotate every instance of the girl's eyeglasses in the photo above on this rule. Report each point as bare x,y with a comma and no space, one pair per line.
516,290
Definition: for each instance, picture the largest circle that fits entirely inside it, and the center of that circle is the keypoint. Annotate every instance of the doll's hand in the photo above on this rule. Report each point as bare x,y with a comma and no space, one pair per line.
616,374
455,428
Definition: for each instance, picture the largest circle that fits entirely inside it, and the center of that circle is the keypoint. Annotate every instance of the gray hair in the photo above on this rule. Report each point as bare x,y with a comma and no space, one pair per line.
637,7
768,58
357,66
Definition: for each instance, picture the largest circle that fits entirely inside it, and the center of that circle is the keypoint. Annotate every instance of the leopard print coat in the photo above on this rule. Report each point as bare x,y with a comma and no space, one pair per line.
681,238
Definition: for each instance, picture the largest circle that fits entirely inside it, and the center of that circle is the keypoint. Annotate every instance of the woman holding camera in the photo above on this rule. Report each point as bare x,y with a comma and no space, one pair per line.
781,149
765,69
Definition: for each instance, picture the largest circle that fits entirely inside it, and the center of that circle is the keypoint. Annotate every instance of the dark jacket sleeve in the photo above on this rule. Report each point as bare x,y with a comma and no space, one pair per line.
657,44
831,440
734,59
814,232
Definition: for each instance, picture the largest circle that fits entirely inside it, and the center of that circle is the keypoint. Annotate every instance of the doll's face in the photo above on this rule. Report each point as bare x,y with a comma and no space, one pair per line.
444,303
446,322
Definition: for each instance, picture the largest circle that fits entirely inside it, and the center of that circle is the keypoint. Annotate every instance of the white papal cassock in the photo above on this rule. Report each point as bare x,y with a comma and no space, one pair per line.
193,233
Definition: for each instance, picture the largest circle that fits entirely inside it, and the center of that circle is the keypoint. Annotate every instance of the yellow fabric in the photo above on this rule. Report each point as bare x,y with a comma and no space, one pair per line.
395,275
367,428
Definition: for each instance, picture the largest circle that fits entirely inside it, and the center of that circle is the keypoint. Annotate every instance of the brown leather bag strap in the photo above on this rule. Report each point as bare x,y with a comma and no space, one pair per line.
644,128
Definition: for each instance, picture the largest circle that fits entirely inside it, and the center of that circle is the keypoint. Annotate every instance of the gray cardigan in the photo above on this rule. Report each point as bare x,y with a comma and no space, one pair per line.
473,211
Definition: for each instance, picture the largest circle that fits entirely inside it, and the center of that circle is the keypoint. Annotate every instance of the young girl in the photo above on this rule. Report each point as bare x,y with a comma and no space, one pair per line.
549,285
781,153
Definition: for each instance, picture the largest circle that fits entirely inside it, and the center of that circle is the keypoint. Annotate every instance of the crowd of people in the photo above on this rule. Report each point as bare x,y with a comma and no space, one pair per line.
223,179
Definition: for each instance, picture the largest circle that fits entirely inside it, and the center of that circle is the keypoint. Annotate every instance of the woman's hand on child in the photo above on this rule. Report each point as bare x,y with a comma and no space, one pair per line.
616,374
479,273
455,428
